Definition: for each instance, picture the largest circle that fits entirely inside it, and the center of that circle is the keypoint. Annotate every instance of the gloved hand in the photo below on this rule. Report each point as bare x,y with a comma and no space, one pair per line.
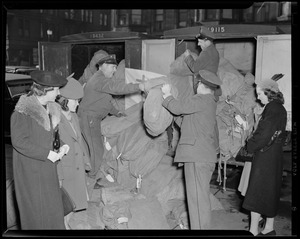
166,90
120,114
63,150
53,156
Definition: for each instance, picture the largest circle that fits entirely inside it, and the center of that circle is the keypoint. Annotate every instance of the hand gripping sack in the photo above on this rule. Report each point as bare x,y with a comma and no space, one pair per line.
156,117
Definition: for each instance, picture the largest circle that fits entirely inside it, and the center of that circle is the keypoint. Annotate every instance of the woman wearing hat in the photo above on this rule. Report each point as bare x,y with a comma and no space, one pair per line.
71,168
34,137
96,105
196,146
263,192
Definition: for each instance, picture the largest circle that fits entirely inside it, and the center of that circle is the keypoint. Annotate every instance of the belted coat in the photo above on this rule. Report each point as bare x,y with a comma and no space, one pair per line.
263,193
197,140
71,168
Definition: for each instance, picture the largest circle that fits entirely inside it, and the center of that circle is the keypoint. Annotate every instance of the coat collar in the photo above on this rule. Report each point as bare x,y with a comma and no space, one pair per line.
29,105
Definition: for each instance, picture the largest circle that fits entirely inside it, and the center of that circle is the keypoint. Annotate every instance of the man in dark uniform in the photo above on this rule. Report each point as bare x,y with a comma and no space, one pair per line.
208,59
196,146
96,105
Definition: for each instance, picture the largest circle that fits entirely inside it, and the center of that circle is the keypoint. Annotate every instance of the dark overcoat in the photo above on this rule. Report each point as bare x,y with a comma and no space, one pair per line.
36,181
197,140
263,193
95,105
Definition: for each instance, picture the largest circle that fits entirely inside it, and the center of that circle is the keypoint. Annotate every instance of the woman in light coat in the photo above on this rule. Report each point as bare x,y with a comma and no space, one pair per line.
71,168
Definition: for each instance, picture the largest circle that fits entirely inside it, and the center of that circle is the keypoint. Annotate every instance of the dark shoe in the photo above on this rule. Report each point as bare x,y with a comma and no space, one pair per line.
271,233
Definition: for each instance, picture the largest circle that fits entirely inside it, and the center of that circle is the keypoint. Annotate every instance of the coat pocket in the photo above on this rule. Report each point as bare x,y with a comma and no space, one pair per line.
187,141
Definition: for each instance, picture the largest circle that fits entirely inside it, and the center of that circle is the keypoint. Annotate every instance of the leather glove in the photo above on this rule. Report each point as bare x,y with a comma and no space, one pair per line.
53,156
63,150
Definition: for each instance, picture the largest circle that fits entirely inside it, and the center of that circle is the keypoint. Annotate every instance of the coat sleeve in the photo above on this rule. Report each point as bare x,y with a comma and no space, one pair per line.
117,87
199,64
182,107
264,131
22,141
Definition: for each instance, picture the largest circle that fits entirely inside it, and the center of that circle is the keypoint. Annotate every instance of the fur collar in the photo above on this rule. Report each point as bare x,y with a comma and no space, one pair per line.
29,105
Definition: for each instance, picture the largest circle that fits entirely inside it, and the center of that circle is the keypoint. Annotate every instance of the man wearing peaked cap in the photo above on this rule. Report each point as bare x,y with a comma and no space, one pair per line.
48,78
110,59
208,58
96,104
205,34
197,146
210,79
91,67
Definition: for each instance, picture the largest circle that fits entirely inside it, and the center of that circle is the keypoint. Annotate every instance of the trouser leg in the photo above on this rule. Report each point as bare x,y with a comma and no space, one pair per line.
197,179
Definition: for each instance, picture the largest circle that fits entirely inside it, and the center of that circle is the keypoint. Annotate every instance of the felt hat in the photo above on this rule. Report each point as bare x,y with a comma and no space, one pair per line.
48,78
72,90
210,78
205,33
268,84
110,59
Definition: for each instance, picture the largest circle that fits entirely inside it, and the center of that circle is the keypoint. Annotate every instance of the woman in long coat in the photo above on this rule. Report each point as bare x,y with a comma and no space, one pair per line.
71,168
263,193
37,189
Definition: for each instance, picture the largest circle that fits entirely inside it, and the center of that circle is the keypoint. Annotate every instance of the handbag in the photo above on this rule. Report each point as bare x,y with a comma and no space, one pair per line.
243,155
68,203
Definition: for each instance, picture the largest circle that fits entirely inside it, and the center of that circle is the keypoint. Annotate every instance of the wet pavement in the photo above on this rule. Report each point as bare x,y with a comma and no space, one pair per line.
230,217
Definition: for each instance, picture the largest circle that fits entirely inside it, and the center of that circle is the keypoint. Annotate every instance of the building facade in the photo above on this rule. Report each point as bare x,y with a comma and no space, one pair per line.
25,28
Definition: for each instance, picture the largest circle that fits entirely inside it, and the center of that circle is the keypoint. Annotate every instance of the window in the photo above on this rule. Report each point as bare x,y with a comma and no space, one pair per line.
159,19
82,15
86,15
211,14
26,28
197,17
101,19
91,16
72,14
20,27
248,14
42,32
105,19
182,18
136,16
122,16
66,14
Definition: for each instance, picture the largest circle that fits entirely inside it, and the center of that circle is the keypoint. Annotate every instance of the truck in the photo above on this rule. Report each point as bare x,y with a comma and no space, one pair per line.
262,50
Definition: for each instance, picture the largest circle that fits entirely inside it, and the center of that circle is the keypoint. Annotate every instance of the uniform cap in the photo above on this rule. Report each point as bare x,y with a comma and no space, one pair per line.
205,33
48,78
72,90
268,84
110,59
98,55
210,78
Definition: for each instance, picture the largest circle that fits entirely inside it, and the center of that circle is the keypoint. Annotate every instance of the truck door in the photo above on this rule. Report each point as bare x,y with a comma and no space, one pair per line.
157,55
55,57
273,56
